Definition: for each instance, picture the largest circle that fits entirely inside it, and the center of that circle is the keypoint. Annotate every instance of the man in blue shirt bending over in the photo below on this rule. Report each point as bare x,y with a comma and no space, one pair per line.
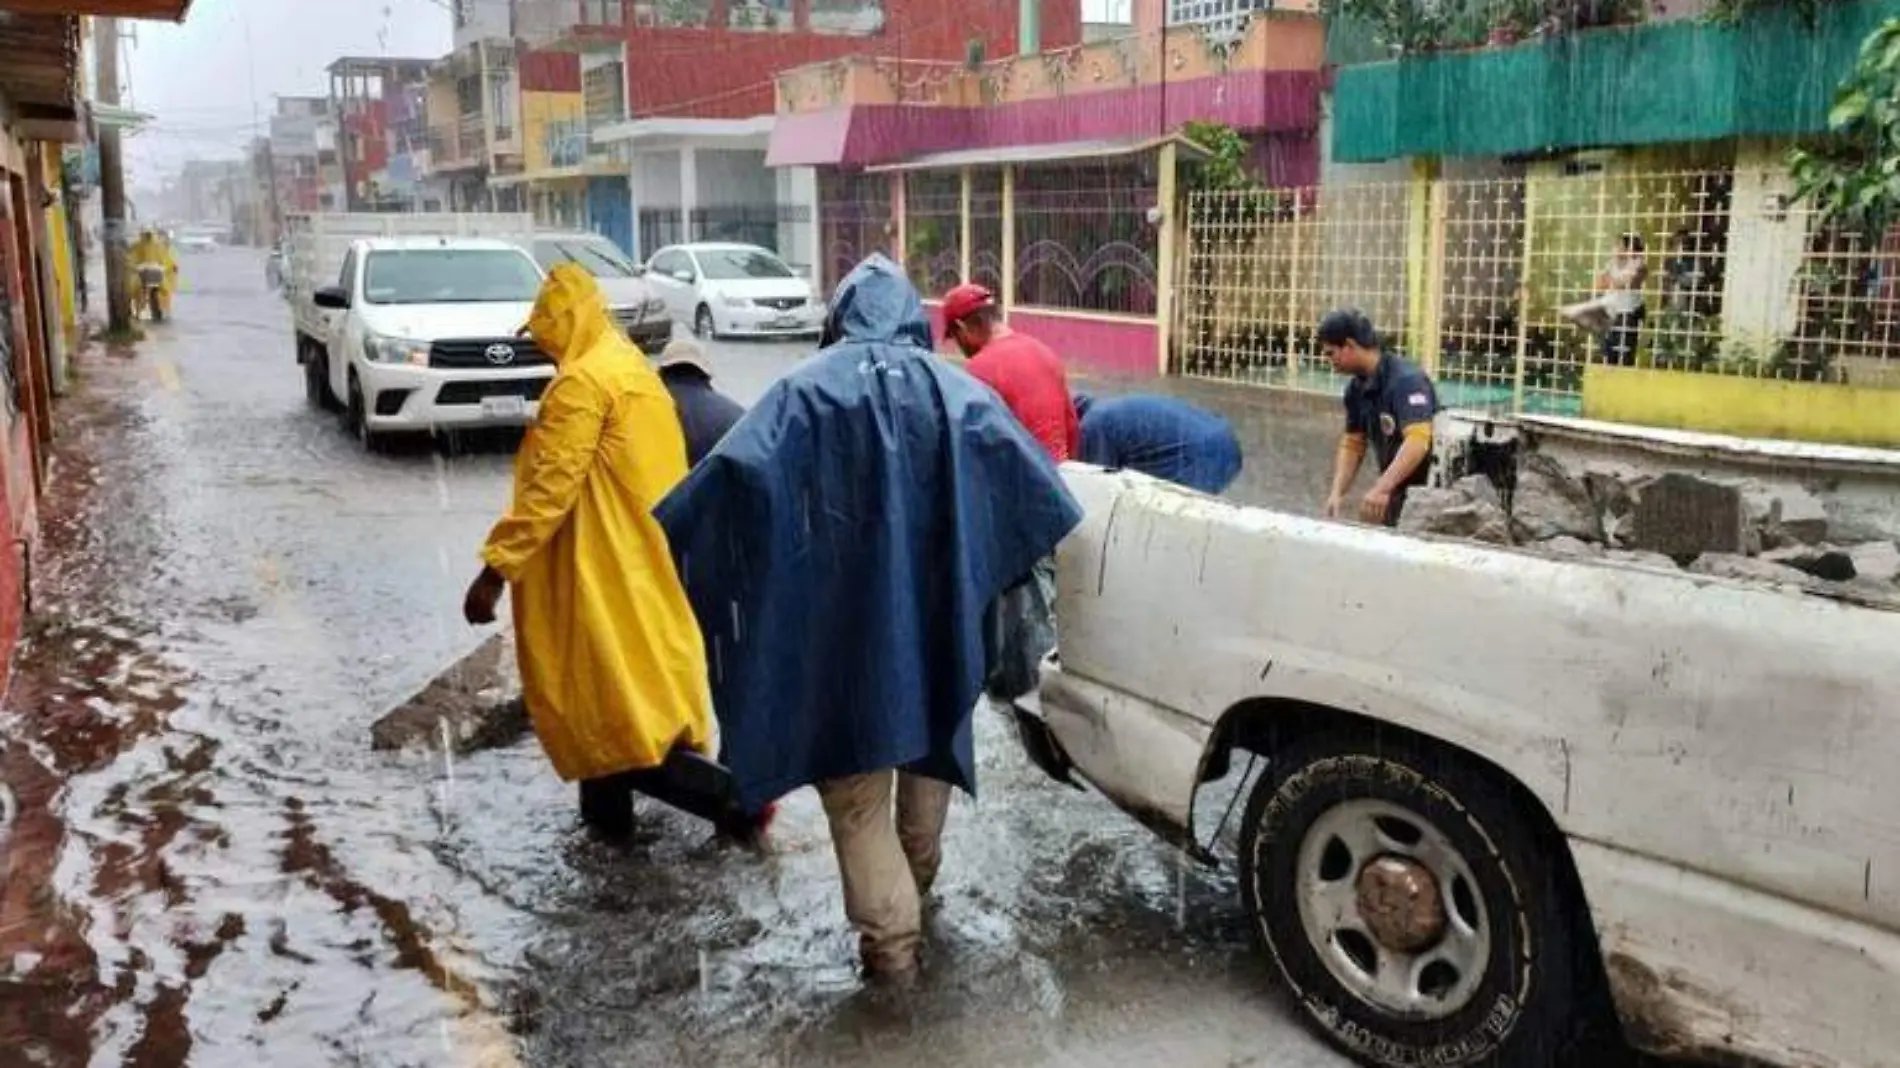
1162,437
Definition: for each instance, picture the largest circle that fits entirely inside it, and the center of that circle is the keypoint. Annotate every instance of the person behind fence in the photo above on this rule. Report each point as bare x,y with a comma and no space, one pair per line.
706,415
841,547
1615,313
1390,403
1160,436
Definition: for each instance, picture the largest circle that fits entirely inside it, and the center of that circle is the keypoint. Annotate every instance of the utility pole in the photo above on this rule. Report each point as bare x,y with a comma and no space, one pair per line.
112,178
276,204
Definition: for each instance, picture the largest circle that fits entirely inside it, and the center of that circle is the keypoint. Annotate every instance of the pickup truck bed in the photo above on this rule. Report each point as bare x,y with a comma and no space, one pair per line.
1692,777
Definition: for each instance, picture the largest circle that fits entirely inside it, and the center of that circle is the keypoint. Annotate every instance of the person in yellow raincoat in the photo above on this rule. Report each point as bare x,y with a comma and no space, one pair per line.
151,248
613,667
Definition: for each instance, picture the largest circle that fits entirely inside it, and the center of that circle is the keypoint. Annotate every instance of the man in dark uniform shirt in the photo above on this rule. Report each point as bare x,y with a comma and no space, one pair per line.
705,413
1389,407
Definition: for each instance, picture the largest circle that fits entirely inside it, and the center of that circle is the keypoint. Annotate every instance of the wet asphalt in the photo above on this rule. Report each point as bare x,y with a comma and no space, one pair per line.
206,864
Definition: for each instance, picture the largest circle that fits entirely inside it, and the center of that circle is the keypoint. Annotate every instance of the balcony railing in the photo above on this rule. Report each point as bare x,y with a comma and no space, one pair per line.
571,25
463,143
1292,41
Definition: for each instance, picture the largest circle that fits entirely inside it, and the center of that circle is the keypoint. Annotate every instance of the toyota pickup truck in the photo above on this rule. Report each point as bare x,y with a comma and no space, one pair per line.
404,330
1488,795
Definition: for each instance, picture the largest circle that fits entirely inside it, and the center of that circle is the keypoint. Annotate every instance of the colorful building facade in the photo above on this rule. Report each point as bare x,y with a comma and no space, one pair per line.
689,135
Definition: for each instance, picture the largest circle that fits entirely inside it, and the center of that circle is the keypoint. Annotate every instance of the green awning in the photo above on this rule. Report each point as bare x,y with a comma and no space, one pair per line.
1656,83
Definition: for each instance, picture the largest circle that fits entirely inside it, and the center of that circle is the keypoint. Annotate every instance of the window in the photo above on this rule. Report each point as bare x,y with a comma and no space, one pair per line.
449,276
670,263
1218,17
599,256
730,263
549,255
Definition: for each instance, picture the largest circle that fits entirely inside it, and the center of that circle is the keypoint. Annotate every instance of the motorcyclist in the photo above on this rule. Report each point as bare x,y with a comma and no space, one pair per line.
150,248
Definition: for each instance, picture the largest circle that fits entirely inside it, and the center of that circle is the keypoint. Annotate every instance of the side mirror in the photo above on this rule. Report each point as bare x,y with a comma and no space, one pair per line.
332,297
683,275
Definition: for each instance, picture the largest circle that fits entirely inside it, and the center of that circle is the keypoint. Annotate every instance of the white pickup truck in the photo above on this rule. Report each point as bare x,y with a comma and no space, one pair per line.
1500,794
411,323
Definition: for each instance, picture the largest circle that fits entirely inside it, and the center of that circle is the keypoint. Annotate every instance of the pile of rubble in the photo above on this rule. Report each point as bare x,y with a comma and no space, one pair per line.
1730,528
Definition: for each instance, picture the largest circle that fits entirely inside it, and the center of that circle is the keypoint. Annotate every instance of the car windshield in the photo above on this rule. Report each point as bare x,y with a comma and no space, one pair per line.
449,276
600,257
729,263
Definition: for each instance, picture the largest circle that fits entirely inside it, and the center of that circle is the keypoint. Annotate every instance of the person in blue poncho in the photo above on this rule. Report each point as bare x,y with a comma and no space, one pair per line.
1160,436
841,547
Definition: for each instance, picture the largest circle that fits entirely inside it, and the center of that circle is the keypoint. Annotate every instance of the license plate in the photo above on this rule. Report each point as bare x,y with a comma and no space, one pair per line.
788,322
504,407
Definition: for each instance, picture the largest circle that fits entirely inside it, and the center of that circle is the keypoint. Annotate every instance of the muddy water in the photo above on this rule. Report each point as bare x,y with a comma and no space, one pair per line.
207,865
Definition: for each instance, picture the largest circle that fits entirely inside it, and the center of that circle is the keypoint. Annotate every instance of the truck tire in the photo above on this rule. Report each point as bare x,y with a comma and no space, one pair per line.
356,421
316,378
704,327
1414,909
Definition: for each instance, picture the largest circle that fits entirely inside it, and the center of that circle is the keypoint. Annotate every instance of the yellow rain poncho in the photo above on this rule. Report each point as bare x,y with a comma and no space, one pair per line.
150,248
612,665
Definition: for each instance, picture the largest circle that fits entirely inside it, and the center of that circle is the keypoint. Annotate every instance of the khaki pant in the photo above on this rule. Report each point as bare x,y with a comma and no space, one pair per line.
888,856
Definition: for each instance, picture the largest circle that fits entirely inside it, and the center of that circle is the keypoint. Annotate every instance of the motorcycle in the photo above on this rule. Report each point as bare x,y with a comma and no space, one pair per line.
152,285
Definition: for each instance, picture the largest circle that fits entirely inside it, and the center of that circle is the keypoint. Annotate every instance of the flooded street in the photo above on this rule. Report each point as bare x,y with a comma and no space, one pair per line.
209,866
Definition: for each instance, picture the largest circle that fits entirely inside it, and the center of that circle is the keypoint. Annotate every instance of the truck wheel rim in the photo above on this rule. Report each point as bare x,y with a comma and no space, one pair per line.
1392,909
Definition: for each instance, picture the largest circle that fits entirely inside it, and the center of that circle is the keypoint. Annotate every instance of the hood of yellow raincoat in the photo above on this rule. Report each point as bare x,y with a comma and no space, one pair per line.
570,314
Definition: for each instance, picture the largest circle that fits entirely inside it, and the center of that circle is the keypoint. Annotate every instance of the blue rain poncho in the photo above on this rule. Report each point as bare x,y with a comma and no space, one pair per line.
842,544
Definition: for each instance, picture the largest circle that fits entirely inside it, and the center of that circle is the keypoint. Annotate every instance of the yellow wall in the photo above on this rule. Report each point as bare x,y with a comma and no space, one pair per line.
59,248
1748,407
538,112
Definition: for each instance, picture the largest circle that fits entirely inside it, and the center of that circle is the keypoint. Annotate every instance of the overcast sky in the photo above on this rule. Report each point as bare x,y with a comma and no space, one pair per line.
197,79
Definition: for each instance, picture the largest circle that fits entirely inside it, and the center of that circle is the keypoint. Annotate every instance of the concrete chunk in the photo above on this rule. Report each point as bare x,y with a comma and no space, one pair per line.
1478,488
477,700
1452,514
1876,560
1684,516
1569,547
1748,569
1821,561
1800,517
1550,502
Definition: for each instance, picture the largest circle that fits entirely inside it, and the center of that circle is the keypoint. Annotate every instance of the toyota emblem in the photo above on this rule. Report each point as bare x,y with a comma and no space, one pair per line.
500,354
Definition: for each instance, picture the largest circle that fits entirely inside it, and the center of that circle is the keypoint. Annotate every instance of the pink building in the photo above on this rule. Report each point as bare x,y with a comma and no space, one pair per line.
1051,177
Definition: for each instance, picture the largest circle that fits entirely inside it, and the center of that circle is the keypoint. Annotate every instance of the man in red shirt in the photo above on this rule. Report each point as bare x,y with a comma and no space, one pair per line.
1023,371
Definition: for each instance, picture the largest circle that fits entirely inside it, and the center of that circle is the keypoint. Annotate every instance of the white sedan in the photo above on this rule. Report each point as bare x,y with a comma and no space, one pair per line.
733,290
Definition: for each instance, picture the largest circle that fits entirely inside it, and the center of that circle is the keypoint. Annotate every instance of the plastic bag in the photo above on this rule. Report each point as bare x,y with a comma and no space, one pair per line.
1021,632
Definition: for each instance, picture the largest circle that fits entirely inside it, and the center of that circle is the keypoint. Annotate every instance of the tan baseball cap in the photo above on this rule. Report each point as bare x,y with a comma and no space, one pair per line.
684,352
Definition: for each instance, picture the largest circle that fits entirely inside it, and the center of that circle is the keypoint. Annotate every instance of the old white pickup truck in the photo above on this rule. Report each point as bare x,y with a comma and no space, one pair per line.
1499,790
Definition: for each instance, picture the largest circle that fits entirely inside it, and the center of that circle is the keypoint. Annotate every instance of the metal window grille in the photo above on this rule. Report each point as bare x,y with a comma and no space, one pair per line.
933,227
986,230
1083,238
1218,17
855,214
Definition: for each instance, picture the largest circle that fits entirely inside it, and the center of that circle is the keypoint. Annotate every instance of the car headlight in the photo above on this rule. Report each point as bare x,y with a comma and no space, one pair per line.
653,306
731,301
380,349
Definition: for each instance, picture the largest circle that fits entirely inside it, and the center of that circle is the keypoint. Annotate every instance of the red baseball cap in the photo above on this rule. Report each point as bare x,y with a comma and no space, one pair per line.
963,300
